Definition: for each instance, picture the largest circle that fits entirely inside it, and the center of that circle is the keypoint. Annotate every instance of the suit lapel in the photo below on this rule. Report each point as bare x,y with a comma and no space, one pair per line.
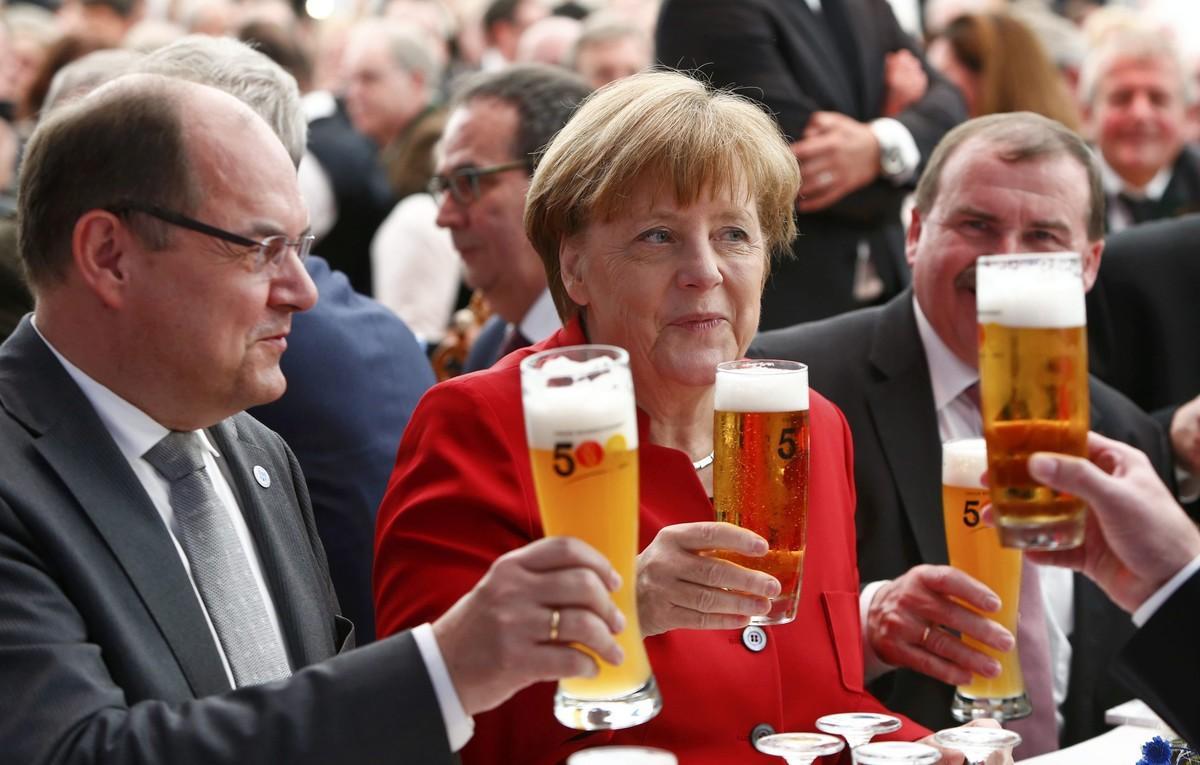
78,449
819,59
284,552
900,397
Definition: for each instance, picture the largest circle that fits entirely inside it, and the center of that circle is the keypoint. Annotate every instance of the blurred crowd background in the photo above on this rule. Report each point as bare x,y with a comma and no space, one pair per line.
375,76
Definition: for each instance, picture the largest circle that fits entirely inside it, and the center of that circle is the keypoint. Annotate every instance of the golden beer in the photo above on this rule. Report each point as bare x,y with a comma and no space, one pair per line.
581,426
760,470
974,548
599,504
1034,390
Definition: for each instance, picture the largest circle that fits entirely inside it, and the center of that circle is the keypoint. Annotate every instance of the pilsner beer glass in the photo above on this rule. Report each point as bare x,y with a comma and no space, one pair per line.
581,426
975,550
760,479
1034,389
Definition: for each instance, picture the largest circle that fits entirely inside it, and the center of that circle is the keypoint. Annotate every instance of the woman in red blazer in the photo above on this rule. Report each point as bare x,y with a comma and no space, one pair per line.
656,211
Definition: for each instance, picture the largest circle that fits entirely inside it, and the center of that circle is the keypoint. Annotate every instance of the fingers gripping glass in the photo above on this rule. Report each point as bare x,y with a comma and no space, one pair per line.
268,252
463,184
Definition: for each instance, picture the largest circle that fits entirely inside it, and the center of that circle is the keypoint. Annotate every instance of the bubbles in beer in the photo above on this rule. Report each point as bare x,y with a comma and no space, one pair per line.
754,388
1046,297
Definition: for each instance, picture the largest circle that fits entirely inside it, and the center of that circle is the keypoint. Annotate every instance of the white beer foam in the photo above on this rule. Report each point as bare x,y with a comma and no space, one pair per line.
596,407
755,388
1041,299
963,462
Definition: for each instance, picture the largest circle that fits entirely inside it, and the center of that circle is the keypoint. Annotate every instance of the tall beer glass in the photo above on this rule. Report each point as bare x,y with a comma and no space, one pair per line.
1034,389
975,550
581,426
761,468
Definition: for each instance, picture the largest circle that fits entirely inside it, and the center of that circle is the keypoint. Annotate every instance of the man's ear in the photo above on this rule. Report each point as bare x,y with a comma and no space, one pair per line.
100,246
570,262
1091,263
912,236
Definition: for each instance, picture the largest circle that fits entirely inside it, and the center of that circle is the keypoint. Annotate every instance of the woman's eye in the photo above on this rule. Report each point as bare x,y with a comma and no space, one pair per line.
655,236
734,234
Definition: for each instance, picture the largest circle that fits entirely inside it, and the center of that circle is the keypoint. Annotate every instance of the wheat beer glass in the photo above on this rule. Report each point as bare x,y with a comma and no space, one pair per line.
581,426
760,477
1034,389
975,550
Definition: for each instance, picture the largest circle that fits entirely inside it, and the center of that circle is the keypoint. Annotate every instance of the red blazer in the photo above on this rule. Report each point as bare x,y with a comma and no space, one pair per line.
462,495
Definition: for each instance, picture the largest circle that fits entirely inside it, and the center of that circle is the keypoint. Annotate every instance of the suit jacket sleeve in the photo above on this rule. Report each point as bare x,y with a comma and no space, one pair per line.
1162,665
368,705
735,45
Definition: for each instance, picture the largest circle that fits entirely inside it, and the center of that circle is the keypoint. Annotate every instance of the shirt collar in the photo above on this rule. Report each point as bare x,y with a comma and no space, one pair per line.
541,320
948,374
1115,184
134,431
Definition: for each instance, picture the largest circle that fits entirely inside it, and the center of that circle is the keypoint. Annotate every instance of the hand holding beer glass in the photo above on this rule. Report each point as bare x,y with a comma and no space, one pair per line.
1033,378
974,549
760,482
581,425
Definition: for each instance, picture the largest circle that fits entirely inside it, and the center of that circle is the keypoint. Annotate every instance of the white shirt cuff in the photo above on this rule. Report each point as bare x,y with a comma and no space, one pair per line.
459,725
1189,485
1152,604
873,666
893,133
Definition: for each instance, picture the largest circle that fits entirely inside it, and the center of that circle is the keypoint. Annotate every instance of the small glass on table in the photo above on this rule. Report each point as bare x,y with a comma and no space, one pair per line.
858,727
977,743
800,748
622,755
896,753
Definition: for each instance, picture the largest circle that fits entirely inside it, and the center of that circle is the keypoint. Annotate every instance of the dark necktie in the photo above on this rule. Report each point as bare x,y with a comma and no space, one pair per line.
514,342
1141,210
219,564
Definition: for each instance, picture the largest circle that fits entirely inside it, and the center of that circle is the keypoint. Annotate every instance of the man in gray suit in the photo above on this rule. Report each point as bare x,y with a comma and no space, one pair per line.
905,376
166,598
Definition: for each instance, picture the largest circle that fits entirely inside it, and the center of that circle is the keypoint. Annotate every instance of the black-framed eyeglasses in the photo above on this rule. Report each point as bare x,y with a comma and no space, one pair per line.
268,252
463,184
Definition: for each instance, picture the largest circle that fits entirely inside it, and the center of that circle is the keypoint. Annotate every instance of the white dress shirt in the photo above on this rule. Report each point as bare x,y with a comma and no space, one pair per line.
415,269
958,417
541,320
135,432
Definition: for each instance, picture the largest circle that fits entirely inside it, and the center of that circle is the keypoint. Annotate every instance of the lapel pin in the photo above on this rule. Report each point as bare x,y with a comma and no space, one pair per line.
261,475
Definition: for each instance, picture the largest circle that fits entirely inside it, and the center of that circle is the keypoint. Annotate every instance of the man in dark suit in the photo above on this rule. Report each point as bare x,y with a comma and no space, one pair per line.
825,69
166,596
1145,553
499,123
1142,320
904,374
1138,100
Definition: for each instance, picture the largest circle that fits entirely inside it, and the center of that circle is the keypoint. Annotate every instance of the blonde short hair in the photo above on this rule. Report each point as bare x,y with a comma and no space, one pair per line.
664,126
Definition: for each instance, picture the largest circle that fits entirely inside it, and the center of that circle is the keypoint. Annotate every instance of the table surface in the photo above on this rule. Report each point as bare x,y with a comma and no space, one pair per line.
1136,724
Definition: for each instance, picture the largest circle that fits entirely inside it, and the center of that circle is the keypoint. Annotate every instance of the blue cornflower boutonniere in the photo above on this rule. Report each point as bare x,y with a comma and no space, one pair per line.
1156,751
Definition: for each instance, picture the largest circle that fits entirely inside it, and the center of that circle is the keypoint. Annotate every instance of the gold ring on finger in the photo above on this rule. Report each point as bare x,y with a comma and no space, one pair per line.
555,618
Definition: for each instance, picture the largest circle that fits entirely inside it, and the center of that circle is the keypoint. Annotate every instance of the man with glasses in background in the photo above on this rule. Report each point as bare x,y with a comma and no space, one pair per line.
499,123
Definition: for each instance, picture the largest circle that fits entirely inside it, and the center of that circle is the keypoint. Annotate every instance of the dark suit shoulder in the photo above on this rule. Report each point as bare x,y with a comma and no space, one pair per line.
1115,416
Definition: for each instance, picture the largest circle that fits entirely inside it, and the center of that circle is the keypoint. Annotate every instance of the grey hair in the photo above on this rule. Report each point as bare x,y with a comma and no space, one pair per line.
1139,42
602,28
237,69
83,75
408,47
